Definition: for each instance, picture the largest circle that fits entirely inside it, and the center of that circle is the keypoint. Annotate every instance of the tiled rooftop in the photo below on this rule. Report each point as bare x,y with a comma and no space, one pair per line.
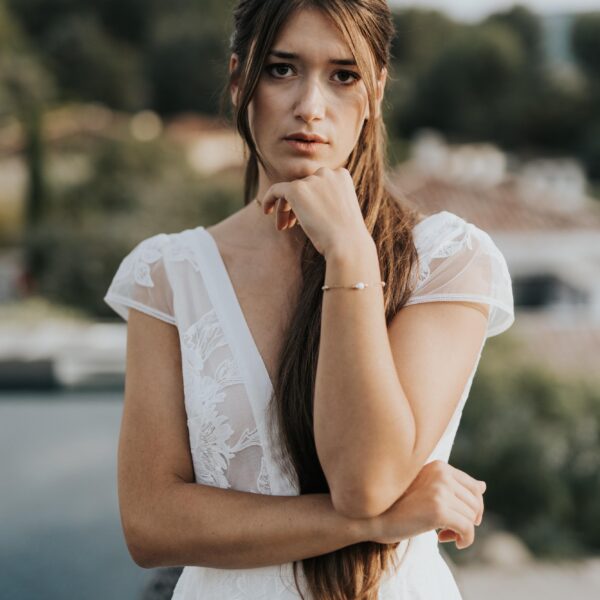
499,209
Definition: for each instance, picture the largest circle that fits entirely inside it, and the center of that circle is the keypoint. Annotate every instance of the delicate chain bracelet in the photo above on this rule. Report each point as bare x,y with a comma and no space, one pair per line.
357,286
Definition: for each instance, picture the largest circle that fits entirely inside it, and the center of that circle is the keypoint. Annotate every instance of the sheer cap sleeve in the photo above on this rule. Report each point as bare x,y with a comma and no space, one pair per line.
461,262
142,282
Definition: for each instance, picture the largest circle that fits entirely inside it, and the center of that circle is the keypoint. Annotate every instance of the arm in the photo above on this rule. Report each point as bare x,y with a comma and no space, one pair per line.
167,518
194,524
378,411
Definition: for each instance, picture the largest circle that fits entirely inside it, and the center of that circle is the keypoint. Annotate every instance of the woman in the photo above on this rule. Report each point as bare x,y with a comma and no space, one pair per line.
281,410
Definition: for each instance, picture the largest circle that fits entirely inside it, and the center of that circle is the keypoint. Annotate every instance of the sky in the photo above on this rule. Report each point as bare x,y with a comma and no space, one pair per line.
473,10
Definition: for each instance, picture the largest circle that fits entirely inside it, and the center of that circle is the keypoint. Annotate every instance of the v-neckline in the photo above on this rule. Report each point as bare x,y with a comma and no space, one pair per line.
235,306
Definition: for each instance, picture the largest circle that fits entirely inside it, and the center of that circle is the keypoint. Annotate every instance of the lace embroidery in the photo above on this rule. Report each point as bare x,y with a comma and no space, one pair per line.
203,337
262,482
209,430
178,251
138,261
149,251
247,439
227,374
455,234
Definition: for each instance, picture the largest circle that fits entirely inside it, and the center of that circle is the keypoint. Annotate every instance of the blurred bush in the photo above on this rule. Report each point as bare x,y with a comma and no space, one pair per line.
487,81
534,437
134,190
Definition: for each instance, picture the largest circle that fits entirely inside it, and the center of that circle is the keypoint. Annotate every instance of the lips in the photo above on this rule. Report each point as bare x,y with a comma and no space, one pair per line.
307,137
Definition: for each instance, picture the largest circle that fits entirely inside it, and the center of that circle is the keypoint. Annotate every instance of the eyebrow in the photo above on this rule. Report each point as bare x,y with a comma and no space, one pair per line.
333,61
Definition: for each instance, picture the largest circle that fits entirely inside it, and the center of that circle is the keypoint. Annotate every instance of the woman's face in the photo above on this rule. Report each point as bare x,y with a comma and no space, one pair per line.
308,93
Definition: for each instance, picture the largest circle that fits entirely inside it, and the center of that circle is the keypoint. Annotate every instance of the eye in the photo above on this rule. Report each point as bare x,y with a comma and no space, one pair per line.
274,67
270,68
355,77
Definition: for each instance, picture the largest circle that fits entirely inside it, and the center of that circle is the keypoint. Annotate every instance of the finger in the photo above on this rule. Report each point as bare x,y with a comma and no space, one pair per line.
472,504
475,485
447,535
454,520
273,194
461,526
283,209
291,219
461,504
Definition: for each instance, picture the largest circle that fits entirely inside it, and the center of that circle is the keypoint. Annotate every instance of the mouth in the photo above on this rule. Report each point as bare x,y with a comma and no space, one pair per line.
305,146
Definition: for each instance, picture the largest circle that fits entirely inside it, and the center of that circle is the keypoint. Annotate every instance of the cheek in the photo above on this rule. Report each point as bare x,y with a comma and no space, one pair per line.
265,105
350,118
267,100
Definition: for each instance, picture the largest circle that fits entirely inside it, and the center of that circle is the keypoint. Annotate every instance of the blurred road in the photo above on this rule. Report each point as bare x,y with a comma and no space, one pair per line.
61,535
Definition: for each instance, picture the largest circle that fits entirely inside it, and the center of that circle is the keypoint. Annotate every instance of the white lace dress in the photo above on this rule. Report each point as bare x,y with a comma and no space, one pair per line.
181,279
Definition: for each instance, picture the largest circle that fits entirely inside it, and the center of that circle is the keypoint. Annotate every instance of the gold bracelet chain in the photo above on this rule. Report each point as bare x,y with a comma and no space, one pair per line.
361,285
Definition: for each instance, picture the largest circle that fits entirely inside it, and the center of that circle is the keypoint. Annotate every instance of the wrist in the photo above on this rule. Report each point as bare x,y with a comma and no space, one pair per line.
363,529
350,248
369,528
356,530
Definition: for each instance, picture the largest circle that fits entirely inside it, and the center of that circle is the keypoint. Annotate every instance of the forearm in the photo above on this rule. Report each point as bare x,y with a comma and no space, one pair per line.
364,426
206,526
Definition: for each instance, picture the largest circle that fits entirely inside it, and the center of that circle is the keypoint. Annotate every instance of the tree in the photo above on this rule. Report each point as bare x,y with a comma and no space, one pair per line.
525,25
585,42
420,38
186,64
91,65
466,92
25,90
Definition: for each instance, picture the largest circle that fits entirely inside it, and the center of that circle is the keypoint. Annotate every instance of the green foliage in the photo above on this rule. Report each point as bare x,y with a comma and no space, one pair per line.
135,190
187,63
465,90
553,117
483,82
525,25
92,65
420,38
534,438
590,149
585,41
128,20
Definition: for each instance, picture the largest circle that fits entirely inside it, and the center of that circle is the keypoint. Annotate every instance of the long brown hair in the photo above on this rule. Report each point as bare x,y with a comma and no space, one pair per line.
355,571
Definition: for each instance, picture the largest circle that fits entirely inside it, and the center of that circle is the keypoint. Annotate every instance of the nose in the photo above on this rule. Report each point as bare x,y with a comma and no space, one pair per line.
310,104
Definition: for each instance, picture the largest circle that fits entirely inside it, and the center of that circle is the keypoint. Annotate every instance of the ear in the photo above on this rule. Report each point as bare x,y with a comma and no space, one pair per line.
233,63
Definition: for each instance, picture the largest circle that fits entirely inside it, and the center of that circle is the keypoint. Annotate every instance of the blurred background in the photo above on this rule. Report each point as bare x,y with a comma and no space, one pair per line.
110,132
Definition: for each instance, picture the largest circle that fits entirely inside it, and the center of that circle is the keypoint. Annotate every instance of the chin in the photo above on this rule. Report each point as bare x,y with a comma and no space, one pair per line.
303,168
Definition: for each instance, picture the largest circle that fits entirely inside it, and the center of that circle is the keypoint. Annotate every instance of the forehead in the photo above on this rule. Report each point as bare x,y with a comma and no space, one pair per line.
313,35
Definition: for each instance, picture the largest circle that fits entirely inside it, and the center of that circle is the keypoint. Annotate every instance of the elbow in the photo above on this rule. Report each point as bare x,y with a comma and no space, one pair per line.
366,503
138,545
369,500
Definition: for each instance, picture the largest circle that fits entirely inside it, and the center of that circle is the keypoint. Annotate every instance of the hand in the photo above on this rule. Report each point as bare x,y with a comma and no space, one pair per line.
324,204
440,497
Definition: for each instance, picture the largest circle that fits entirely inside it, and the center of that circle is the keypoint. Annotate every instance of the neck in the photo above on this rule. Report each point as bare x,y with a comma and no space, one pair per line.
262,227
264,233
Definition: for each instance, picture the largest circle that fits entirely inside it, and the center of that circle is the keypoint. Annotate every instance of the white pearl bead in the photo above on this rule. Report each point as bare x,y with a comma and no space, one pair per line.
360,285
